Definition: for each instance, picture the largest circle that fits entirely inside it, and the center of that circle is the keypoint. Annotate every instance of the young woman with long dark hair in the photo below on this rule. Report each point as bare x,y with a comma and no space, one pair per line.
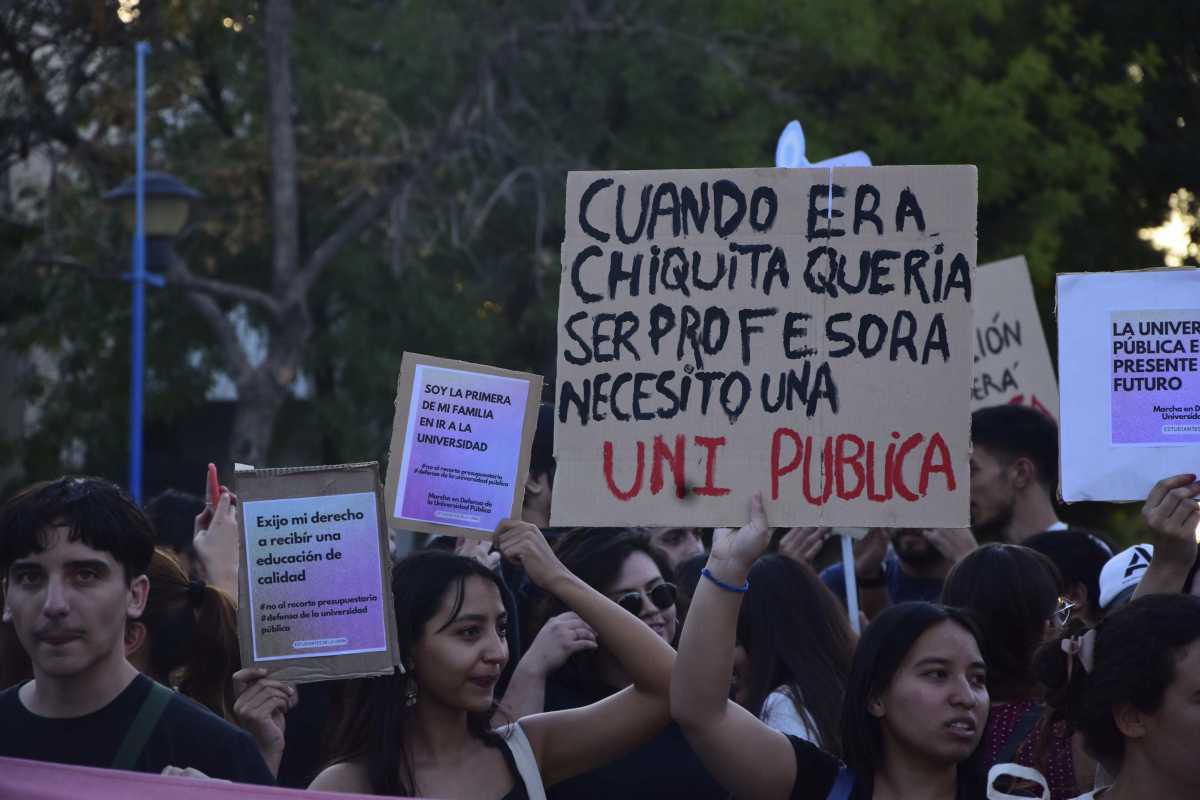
794,647
428,732
915,704
1015,594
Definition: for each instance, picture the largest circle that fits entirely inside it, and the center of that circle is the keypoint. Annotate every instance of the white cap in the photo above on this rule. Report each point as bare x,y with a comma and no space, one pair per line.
1124,571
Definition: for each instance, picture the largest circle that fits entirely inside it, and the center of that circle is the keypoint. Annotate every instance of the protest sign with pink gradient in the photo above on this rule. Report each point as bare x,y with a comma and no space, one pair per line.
1155,377
462,450
314,578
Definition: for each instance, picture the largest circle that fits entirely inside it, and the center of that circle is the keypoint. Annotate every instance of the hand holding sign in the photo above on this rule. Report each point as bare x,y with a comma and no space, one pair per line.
734,552
523,544
869,553
260,709
804,544
1173,515
216,542
954,544
480,551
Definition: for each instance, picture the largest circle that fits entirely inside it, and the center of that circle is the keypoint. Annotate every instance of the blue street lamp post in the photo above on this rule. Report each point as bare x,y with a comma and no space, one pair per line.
158,210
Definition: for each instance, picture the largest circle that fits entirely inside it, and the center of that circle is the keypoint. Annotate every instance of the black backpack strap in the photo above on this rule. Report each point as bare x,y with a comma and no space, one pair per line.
1025,725
153,705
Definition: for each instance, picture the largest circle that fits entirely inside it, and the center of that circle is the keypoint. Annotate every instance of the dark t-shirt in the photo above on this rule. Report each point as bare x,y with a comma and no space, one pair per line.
816,771
666,766
187,735
305,735
901,588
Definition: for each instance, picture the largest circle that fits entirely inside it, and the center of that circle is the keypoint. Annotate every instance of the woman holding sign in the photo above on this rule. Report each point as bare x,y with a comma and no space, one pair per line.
426,732
915,705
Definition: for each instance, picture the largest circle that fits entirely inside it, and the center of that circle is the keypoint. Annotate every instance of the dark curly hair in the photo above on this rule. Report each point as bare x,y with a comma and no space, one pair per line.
1136,650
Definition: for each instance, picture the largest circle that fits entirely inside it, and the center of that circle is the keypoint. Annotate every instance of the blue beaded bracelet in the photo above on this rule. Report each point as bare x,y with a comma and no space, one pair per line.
729,587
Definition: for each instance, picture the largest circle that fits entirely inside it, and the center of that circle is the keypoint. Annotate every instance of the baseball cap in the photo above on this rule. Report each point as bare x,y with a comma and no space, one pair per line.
1123,572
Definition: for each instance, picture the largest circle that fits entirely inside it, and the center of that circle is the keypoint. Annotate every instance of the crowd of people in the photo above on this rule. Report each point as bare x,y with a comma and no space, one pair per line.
1019,655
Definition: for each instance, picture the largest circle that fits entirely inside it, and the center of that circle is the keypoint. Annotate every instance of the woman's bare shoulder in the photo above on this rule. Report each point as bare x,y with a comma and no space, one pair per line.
348,776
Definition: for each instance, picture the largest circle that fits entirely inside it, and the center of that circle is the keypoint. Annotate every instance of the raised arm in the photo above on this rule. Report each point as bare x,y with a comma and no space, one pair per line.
216,542
744,755
1173,516
571,742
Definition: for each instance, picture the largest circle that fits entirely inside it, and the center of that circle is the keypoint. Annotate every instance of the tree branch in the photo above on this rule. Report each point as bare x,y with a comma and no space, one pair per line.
47,260
180,276
223,329
350,227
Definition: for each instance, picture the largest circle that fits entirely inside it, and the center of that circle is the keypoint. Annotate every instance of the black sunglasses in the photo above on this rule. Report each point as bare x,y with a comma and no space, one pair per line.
663,596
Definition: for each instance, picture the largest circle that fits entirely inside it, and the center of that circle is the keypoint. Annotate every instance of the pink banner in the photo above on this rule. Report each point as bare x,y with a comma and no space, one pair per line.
40,780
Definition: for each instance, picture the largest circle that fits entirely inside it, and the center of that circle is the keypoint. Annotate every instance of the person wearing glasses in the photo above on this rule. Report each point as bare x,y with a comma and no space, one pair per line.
567,666
1016,594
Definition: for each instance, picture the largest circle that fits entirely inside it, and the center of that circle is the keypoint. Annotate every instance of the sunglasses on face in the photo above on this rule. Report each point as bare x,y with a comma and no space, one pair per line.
662,596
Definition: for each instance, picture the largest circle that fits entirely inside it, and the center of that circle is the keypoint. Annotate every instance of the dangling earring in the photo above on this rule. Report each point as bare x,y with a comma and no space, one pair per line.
410,692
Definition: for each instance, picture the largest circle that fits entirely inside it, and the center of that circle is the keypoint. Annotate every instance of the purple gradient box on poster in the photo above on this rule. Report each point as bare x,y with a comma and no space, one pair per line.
314,576
463,443
1155,381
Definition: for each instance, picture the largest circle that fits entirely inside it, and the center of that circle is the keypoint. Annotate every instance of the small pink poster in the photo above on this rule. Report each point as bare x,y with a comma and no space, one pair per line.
314,579
459,460
1155,382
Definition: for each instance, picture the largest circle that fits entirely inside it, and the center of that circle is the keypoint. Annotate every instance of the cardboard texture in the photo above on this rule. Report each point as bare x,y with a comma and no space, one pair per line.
314,596
460,446
711,345
1012,361
1129,373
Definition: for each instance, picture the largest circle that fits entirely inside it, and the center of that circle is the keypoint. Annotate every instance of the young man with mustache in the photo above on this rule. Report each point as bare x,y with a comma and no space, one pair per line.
73,555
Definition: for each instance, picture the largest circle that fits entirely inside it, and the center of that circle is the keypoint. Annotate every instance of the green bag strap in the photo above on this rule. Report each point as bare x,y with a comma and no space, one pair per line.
143,725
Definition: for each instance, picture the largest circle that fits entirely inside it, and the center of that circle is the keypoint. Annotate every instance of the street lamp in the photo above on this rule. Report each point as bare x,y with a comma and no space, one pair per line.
168,201
154,207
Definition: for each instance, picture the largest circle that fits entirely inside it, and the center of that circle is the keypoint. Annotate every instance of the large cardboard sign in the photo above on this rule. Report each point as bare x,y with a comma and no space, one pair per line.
460,445
1129,365
315,598
802,332
1012,361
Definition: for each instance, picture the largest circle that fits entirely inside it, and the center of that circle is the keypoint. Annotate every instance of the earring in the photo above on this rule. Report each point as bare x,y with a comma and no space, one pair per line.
410,692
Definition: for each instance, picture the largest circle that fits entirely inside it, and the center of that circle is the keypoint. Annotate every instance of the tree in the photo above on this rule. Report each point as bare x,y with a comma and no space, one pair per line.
419,203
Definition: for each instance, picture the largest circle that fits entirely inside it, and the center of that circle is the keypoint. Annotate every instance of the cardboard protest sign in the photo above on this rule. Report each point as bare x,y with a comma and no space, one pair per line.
1129,367
460,445
803,332
315,599
1012,361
